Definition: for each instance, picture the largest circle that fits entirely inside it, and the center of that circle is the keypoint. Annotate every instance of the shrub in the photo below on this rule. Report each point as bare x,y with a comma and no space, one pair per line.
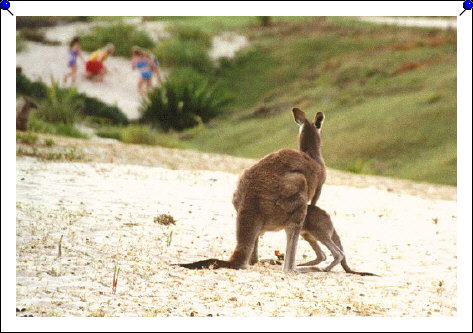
61,105
138,135
123,36
264,20
93,107
179,53
26,87
100,110
192,33
185,99
45,21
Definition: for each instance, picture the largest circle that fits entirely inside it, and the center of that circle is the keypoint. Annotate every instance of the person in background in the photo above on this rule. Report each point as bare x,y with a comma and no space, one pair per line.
141,61
74,53
154,65
94,66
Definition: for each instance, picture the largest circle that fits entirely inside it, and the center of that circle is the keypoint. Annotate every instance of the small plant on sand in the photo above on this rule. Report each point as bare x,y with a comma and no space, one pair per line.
169,238
164,219
49,142
59,248
116,271
26,138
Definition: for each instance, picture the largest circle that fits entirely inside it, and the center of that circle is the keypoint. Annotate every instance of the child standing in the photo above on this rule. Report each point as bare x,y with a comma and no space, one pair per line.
141,61
74,53
154,65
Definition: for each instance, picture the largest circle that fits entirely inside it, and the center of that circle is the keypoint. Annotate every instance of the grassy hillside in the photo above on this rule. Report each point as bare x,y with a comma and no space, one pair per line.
389,95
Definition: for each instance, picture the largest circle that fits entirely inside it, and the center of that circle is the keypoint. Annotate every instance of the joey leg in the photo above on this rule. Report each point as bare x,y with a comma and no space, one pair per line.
336,252
318,251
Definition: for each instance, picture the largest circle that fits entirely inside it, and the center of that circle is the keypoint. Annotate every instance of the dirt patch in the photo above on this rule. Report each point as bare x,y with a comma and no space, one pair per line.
408,66
432,41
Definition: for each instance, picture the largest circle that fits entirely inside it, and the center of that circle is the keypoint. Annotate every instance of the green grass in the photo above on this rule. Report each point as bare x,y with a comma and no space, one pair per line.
217,24
37,125
389,95
210,24
139,134
20,44
123,36
184,53
185,32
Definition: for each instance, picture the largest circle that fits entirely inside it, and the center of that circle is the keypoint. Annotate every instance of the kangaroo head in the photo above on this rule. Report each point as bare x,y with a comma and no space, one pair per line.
309,132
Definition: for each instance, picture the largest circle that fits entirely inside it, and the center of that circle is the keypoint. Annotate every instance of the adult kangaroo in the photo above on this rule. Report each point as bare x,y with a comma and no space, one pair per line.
272,195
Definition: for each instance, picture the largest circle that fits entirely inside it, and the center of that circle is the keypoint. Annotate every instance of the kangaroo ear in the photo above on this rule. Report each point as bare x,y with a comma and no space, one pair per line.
319,119
299,116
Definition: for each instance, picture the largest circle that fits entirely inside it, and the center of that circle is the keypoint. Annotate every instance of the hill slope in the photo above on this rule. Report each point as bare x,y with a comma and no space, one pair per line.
389,95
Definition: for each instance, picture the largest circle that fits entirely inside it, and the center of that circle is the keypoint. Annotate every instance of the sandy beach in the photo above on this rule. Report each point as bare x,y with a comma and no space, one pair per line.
105,213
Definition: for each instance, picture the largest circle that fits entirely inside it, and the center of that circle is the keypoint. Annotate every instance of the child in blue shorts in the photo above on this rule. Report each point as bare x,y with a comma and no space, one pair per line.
143,63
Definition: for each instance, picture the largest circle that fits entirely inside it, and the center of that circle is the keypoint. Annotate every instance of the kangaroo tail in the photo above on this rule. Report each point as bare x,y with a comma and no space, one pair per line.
344,263
208,263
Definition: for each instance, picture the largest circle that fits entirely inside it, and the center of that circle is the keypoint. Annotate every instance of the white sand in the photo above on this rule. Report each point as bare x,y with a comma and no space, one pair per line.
227,44
424,22
105,213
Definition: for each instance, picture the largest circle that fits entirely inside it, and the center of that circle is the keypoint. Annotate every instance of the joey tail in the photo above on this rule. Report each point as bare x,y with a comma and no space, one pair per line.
344,263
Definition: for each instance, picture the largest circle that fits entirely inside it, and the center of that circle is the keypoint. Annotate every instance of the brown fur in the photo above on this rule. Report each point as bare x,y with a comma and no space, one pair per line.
318,226
23,115
272,195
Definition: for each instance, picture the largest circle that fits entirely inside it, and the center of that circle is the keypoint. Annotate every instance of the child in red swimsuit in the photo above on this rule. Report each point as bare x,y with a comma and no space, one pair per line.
94,66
